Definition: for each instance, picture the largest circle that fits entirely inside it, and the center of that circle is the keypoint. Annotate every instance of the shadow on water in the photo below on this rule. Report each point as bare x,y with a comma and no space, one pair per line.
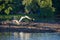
28,30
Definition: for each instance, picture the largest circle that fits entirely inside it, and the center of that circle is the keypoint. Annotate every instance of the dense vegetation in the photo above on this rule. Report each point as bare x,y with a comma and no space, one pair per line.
42,8
26,6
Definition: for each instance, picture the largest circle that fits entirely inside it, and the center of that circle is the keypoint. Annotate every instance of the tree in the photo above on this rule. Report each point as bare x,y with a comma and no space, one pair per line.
56,4
35,5
17,6
27,5
5,6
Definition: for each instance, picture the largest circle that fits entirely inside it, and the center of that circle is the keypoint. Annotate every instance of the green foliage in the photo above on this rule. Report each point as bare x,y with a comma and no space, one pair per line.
38,4
7,11
56,4
44,6
27,3
44,3
4,5
35,16
17,6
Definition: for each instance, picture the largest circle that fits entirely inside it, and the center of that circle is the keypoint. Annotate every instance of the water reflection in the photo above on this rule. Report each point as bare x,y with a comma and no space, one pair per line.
23,36
4,36
29,36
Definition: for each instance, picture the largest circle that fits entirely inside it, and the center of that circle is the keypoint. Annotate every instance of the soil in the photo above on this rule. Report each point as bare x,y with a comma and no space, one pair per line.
30,27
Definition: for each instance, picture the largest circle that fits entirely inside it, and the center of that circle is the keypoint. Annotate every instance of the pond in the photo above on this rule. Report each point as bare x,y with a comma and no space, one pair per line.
29,36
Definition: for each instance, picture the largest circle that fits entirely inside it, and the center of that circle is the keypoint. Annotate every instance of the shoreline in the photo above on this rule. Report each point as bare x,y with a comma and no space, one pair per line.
26,30
30,27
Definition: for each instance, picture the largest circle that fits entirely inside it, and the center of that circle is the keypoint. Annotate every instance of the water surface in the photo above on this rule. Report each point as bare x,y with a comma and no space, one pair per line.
29,36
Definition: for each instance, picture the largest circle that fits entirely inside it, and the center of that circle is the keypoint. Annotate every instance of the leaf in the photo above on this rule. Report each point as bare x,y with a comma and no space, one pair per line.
2,7
10,8
7,11
26,2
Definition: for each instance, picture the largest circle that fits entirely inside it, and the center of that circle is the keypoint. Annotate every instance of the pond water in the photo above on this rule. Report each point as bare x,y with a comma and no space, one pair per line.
29,36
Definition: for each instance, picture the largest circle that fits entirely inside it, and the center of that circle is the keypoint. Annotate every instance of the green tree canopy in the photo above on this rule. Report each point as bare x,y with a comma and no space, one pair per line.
37,4
5,6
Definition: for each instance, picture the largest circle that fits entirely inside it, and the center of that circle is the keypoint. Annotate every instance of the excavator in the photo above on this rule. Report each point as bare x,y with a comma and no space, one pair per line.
22,17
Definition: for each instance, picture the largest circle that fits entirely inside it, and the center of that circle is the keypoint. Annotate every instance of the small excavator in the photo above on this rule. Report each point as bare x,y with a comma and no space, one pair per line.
22,17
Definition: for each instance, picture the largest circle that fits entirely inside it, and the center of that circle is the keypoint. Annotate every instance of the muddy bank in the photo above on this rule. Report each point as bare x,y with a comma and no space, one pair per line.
30,27
28,30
